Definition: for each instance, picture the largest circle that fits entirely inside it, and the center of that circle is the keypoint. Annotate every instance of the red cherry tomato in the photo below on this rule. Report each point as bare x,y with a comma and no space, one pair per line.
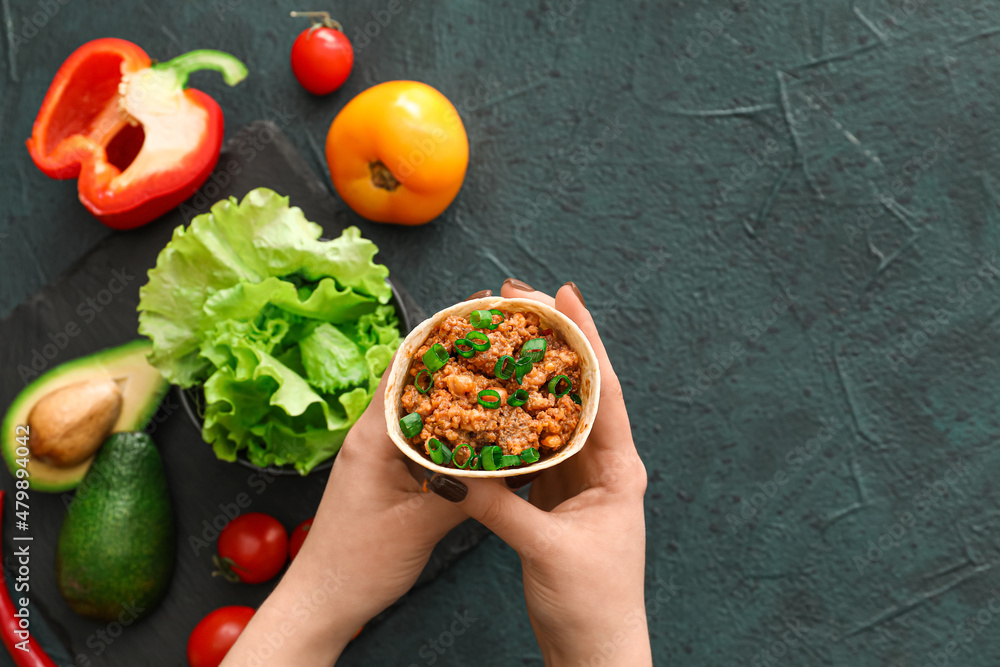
215,634
322,58
253,547
298,537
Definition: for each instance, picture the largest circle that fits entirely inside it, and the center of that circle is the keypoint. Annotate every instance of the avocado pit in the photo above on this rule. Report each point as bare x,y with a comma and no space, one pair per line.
69,424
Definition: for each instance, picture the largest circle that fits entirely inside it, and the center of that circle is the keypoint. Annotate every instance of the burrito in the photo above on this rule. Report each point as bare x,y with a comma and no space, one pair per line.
493,387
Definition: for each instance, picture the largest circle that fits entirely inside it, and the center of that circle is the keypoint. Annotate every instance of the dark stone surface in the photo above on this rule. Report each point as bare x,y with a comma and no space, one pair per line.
785,149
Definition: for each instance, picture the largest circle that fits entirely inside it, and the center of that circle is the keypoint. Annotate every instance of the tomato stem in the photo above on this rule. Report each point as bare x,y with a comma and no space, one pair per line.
382,177
325,19
226,569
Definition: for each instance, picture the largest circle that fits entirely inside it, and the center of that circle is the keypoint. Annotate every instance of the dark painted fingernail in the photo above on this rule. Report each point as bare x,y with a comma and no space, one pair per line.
519,284
520,480
480,294
448,488
576,290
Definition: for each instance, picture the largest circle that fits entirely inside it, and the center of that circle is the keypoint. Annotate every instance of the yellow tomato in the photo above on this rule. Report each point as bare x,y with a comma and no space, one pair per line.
398,153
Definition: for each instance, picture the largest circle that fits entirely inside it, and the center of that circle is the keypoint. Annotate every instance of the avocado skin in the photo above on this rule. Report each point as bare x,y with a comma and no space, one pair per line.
116,547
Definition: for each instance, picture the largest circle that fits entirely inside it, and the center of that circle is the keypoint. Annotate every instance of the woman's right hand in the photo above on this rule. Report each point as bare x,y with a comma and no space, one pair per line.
582,538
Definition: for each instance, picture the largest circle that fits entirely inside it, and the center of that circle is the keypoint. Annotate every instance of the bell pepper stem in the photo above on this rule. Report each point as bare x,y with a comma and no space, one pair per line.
233,71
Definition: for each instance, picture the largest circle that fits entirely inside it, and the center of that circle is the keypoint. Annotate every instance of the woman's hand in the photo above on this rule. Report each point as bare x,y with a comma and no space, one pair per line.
582,537
374,531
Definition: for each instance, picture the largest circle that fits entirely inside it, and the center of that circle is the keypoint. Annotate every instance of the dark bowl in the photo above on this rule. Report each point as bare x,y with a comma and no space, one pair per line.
193,398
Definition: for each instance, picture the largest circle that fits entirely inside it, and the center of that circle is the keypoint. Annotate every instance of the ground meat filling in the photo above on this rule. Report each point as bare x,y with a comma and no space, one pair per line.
451,412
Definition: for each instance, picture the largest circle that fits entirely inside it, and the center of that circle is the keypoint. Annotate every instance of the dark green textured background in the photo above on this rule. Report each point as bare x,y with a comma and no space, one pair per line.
688,168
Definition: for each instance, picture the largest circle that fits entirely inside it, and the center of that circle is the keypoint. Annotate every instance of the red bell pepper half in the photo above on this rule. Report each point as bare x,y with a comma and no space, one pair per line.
138,142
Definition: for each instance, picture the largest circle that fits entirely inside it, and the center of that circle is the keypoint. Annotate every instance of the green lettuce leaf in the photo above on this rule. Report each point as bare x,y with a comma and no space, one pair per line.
332,360
287,334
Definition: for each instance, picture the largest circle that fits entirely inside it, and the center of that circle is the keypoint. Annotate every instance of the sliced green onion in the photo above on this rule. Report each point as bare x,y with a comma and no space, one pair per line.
468,458
554,385
530,455
522,367
492,457
430,381
480,319
477,463
505,367
510,461
440,454
411,424
498,314
576,399
487,394
478,340
465,353
518,398
436,357
534,349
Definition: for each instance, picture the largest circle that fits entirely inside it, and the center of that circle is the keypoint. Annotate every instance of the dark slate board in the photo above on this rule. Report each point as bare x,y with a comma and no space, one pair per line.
202,487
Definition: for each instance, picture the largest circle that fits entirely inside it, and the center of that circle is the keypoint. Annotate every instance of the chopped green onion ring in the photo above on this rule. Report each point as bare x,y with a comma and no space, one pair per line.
477,463
492,457
480,319
510,461
499,314
530,455
464,353
411,424
505,367
518,398
576,399
440,454
436,357
534,349
487,394
468,459
430,381
554,385
522,367
478,340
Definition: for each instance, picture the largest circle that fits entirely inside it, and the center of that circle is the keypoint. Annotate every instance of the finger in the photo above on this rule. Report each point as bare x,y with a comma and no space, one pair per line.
417,472
379,395
570,303
559,483
374,414
515,289
480,294
521,480
611,427
373,430
432,504
512,518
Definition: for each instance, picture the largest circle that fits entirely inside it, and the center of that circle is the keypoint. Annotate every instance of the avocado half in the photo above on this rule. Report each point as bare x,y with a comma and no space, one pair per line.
142,389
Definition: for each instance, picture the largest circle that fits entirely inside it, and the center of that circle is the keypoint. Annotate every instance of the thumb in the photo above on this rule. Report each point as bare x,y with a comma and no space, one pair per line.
512,518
